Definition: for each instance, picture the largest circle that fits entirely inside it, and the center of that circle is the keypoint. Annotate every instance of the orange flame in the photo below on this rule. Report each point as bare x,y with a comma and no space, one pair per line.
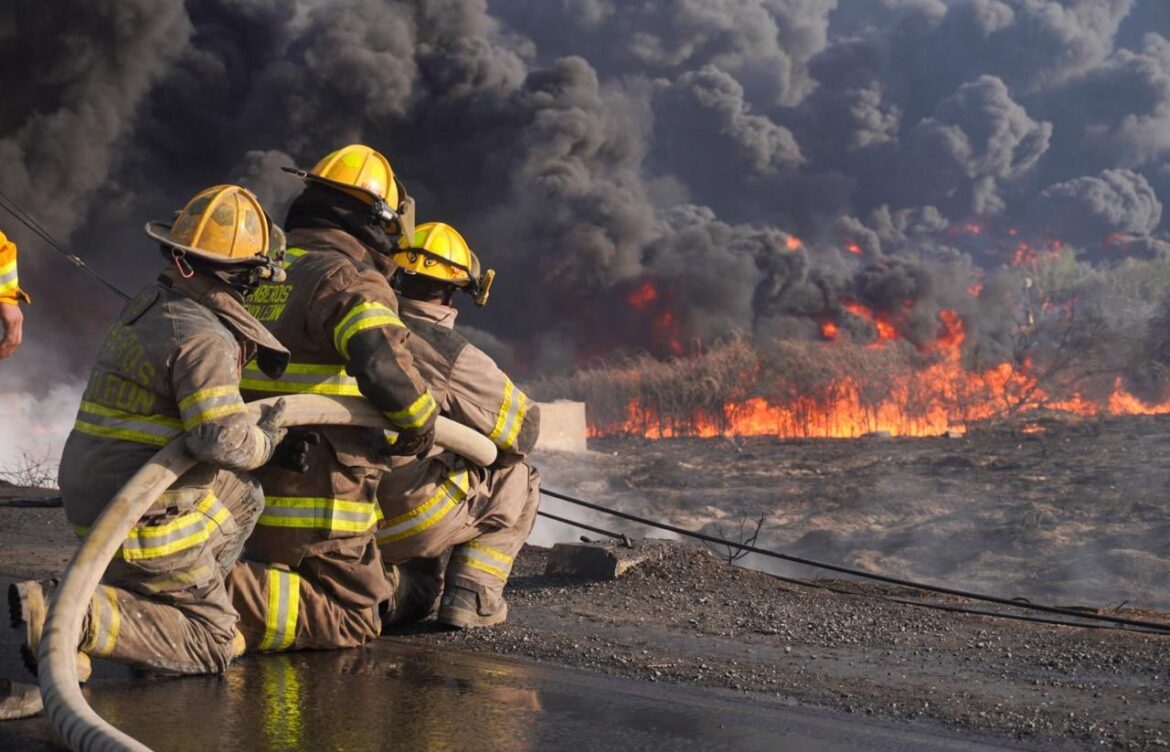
792,243
643,297
942,397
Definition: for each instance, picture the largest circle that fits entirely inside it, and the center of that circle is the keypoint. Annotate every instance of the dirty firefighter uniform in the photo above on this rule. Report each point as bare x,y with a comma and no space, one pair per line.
442,502
314,578
171,363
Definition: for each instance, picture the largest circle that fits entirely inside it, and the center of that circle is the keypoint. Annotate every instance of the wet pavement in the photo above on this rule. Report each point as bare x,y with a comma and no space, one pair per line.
390,696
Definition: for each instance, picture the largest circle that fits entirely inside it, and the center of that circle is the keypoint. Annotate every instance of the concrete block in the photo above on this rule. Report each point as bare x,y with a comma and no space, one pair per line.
593,561
562,426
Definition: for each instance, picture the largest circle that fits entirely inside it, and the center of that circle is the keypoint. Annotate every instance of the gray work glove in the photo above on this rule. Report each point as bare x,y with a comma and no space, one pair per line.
270,423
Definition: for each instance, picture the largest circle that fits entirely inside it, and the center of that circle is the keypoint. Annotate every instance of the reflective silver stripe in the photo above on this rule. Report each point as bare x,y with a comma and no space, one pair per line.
417,414
361,317
9,278
284,602
335,515
484,558
210,404
107,422
513,408
105,621
451,492
303,378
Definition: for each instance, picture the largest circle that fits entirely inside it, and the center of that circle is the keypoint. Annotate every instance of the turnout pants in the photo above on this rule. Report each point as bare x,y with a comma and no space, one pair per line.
482,516
163,604
312,576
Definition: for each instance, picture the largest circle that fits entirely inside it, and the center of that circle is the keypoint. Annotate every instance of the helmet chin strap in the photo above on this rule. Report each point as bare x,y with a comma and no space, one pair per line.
186,271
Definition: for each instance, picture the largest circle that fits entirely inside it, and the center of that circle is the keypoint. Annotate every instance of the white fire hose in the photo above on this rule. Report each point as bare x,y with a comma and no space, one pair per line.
82,729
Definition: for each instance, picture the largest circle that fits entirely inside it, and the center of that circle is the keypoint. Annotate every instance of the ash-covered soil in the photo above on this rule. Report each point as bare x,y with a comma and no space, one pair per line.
1076,514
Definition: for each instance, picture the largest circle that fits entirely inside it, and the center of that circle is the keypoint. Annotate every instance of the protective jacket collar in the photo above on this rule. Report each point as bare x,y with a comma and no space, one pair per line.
333,239
271,356
435,313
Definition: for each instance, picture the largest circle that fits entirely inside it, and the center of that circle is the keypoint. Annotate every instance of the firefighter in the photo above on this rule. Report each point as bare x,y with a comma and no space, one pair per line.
314,578
11,296
441,503
169,366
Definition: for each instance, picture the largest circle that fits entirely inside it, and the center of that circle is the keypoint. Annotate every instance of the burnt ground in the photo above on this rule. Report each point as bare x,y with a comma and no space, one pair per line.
1049,515
1079,513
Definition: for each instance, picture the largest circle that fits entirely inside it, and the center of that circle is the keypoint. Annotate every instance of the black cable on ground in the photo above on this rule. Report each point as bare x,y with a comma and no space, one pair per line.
1149,625
965,610
38,229
582,525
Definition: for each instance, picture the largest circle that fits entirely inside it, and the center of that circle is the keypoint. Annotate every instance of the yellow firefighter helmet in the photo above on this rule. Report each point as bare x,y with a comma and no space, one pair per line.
438,251
366,174
223,224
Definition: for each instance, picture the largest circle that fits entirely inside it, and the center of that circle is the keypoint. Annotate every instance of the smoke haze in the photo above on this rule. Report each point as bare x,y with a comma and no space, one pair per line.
757,161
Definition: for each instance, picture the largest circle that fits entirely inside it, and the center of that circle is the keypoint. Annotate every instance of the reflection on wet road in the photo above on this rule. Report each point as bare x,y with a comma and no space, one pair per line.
394,697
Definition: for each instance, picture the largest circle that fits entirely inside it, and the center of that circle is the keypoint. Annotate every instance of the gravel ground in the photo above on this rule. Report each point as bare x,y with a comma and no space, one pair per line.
686,617
1042,502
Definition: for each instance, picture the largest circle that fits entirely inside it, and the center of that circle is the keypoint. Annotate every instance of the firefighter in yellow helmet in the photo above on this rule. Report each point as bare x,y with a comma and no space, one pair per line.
11,296
313,577
440,502
169,367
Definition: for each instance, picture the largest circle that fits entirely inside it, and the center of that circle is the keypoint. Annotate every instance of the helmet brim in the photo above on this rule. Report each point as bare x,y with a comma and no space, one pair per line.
160,231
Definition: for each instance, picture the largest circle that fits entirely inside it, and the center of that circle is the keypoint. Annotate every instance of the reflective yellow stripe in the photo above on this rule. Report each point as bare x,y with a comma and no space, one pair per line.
361,317
303,378
8,278
419,412
484,558
493,553
183,532
284,602
513,408
210,404
334,515
110,423
105,621
450,493
291,255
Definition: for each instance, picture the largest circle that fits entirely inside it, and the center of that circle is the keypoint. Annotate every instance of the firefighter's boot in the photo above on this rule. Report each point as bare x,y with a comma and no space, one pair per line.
28,607
19,700
465,608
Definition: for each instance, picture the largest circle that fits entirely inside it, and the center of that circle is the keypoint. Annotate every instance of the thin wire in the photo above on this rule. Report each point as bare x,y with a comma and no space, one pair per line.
1161,628
31,223
582,525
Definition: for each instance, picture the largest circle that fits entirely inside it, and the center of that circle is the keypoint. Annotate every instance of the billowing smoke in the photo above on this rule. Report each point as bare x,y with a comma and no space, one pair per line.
642,174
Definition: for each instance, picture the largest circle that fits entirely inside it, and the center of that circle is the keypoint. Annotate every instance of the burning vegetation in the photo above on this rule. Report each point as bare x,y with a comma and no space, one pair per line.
1081,340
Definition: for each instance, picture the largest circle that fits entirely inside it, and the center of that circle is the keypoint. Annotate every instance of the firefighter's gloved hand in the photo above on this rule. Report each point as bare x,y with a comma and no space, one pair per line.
269,423
413,441
293,453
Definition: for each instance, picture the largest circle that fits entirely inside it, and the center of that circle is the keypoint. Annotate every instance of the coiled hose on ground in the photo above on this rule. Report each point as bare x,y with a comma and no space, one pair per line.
82,729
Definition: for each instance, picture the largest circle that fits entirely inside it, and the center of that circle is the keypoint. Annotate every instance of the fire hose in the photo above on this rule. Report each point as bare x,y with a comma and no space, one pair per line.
81,728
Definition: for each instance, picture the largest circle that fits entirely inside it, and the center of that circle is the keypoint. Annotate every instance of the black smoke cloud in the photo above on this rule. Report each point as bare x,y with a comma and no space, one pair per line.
726,152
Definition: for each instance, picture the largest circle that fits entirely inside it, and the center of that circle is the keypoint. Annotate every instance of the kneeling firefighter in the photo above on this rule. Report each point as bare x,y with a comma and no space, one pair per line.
171,365
440,503
313,576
